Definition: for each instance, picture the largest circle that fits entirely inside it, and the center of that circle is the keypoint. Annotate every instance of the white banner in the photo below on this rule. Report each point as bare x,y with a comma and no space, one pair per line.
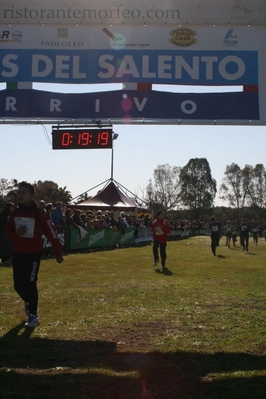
132,38
164,55
156,12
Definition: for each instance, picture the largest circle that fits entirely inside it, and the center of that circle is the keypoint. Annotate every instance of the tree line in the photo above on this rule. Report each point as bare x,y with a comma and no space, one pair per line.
190,191
180,191
47,190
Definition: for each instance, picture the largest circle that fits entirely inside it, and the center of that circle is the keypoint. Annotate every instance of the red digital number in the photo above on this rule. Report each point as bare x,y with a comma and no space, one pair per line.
90,138
103,138
65,139
84,139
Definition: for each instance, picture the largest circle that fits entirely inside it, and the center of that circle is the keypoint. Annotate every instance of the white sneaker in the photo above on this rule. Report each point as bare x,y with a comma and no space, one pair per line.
33,321
156,262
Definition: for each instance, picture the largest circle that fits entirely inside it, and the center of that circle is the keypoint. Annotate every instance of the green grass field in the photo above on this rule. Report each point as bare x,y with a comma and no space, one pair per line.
113,326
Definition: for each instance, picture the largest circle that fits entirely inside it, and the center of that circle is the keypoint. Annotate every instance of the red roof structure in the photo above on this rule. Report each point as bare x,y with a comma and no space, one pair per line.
110,197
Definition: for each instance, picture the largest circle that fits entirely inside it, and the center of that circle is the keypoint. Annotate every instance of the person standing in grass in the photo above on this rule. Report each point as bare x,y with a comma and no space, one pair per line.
228,228
160,228
25,228
255,233
215,233
234,236
244,231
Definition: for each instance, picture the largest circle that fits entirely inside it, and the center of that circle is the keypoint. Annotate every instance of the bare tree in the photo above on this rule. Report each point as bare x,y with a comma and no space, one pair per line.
235,186
165,190
257,191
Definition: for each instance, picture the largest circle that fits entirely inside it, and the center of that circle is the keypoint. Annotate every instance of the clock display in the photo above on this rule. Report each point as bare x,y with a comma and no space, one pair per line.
74,139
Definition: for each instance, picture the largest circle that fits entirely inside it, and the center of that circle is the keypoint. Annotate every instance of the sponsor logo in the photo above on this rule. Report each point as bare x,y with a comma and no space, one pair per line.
110,34
183,37
115,236
7,36
127,236
4,36
17,35
119,41
33,271
230,39
113,14
62,32
61,40
96,237
51,229
81,236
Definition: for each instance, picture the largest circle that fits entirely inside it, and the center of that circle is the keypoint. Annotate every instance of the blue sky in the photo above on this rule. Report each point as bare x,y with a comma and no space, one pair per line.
26,152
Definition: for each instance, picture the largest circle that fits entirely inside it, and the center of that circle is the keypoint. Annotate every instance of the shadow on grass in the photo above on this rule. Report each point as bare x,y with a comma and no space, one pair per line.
41,368
165,271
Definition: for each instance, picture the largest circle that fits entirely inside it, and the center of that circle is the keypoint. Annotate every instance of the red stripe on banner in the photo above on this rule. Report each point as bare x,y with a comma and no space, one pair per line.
251,88
144,86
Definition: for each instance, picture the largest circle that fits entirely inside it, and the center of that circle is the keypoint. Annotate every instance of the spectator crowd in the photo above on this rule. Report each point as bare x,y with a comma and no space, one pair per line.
105,219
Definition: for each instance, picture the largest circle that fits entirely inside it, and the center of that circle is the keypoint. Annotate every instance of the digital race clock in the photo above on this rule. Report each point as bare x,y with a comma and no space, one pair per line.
74,139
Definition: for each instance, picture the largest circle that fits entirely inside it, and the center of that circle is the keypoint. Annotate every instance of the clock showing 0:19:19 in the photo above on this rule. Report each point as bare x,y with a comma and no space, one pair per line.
75,139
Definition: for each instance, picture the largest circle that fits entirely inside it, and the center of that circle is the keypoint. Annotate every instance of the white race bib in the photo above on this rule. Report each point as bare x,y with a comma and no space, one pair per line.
28,222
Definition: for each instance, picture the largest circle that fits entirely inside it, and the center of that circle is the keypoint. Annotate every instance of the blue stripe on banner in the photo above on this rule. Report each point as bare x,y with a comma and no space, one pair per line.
120,66
129,104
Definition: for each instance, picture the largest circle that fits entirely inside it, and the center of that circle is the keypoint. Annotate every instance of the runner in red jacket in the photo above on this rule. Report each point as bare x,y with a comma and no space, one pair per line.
160,228
25,228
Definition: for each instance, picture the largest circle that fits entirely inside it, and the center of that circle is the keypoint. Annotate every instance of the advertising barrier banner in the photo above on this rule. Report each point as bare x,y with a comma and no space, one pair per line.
83,239
73,239
101,238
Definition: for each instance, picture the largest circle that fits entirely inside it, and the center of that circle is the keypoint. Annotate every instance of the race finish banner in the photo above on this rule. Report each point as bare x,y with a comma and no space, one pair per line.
136,42
158,55
131,105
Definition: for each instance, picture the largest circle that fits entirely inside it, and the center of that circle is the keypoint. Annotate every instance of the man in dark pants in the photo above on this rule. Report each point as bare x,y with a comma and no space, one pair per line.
228,228
215,232
25,228
244,231
160,228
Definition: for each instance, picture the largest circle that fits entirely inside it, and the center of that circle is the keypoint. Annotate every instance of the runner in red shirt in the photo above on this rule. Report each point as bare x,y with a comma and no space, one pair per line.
25,228
160,228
